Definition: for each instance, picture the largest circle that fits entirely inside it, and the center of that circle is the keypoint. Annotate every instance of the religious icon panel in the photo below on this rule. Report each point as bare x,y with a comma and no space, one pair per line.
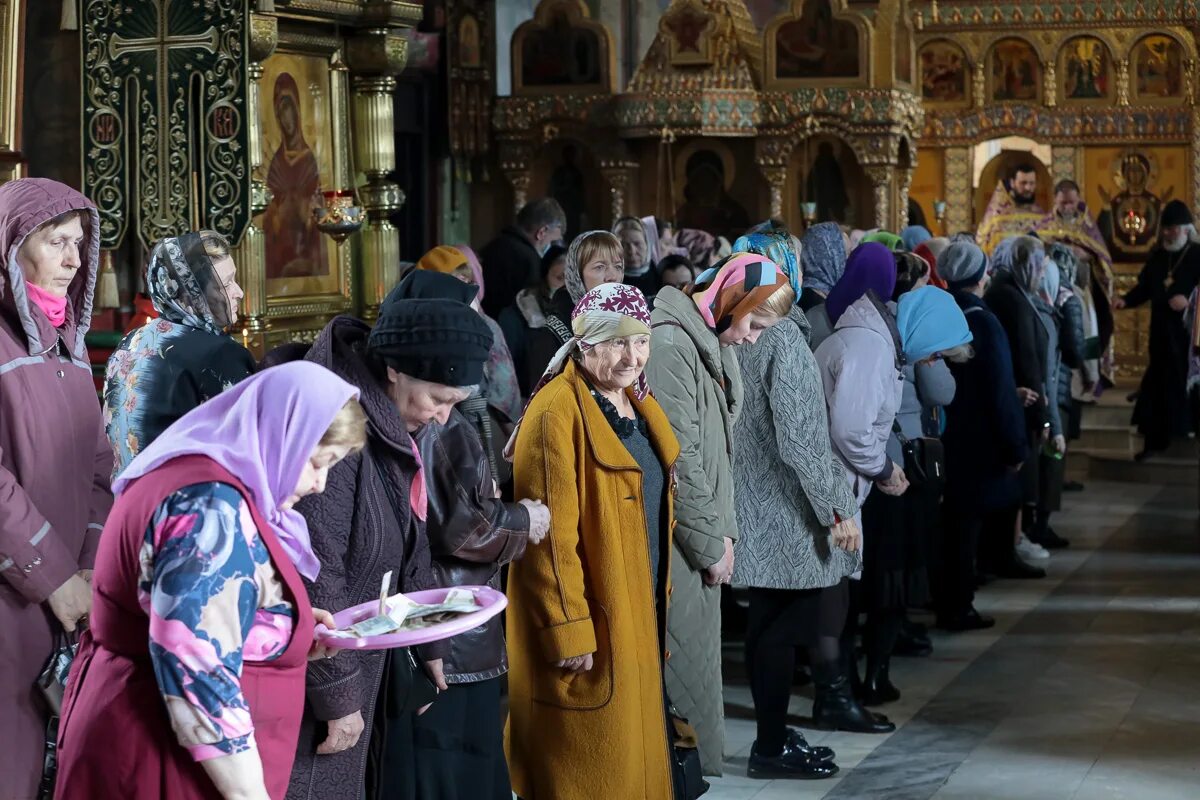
817,45
560,49
944,73
297,118
1085,70
1016,71
1158,68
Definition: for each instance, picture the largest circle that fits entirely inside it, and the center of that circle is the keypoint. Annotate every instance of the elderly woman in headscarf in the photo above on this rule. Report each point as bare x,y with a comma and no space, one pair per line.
914,236
886,238
639,245
172,364
190,680
930,250
494,408
1064,311
823,260
587,612
795,513
594,257
423,357
985,443
896,576
871,267
696,378
1019,263
54,460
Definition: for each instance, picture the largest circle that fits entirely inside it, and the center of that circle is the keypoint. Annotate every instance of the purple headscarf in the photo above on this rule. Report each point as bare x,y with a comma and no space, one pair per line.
870,267
262,431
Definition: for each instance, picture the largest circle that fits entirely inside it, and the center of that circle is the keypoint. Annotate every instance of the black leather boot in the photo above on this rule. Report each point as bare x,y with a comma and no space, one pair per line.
878,687
834,705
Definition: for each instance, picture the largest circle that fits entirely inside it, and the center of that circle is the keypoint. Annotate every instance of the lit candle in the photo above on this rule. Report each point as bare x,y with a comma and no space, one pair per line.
246,338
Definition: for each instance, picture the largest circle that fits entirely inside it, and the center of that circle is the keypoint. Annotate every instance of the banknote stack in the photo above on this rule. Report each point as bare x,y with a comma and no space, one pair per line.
399,613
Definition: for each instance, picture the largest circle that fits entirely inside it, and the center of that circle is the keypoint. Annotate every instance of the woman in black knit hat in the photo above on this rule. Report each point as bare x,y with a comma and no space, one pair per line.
422,357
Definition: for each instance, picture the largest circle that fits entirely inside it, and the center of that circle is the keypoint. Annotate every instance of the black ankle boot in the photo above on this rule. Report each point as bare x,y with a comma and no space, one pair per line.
791,762
878,687
834,705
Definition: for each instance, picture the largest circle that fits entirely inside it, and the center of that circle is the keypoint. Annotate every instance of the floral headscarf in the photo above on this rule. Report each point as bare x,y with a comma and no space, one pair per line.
824,256
609,311
184,286
734,288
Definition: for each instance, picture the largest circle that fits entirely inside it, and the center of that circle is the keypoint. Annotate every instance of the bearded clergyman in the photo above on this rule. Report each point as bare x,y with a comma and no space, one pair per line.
1162,412
1013,209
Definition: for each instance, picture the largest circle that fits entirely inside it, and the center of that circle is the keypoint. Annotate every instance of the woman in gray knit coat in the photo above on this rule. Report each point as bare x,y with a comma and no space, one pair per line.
796,512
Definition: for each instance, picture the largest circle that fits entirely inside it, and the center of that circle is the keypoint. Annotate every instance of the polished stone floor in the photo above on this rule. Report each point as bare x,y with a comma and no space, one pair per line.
1087,688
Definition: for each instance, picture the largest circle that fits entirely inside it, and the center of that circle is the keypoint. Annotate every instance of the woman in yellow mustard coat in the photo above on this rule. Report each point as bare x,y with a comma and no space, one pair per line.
587,609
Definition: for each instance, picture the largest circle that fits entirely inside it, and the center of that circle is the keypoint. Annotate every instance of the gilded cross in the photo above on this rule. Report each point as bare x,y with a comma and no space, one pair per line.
163,45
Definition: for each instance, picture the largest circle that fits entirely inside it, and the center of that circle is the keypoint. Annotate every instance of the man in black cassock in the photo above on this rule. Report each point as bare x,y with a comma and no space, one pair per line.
1162,411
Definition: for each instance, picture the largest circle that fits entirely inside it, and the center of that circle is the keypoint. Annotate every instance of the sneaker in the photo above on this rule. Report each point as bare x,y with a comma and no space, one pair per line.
1030,551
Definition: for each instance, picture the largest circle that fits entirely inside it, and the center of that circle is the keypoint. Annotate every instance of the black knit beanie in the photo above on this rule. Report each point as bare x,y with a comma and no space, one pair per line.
439,341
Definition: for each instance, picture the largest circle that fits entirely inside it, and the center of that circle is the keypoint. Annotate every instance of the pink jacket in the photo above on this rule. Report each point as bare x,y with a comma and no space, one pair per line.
54,467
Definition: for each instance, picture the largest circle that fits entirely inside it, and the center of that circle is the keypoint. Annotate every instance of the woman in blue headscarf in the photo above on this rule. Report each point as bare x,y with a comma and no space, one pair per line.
932,331
1019,264
914,236
798,541
823,260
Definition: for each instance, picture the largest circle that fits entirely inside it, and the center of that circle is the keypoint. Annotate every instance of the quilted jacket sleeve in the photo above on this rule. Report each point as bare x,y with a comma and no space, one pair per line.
675,375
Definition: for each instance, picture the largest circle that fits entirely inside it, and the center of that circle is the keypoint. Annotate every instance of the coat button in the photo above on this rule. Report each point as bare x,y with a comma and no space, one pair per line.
62,374
668,655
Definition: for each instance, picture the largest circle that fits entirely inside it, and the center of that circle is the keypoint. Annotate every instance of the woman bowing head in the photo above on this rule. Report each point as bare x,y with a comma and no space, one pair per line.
201,626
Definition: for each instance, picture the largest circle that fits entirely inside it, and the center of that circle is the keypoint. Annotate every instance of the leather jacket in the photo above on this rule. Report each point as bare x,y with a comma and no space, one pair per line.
471,535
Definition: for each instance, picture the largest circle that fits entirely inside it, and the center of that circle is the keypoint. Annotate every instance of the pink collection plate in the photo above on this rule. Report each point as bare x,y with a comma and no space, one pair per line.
491,602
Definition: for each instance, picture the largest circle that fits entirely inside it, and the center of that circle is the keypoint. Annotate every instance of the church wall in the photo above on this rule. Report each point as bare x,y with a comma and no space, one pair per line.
928,183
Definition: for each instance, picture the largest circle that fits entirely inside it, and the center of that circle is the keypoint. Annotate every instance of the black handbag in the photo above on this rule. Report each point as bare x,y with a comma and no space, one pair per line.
52,684
924,459
686,774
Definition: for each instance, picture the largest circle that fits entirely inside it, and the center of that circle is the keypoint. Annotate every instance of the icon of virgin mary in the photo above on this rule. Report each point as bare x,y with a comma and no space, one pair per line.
294,246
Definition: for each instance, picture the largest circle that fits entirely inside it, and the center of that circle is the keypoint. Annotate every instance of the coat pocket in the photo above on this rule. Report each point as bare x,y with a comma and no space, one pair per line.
582,691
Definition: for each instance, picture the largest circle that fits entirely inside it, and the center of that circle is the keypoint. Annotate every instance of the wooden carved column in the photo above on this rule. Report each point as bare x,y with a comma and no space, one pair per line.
904,175
777,181
251,253
11,48
958,189
619,175
515,160
881,176
375,57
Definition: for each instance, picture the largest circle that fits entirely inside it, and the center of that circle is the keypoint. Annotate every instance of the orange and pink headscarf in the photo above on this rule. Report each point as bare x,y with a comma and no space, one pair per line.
734,288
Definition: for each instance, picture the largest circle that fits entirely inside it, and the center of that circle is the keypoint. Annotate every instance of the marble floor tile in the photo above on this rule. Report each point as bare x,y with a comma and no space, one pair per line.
1088,688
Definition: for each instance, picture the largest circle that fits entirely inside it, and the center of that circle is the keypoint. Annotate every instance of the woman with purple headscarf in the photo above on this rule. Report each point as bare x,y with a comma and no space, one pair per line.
871,267
201,627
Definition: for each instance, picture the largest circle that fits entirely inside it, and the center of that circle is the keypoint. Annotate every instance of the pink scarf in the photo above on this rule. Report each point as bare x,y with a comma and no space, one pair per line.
417,496
52,305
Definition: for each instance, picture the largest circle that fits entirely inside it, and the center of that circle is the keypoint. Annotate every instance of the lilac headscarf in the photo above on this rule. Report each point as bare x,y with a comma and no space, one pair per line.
870,267
262,431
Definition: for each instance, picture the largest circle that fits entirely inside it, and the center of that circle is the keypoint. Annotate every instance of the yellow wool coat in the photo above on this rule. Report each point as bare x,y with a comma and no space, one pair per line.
586,588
